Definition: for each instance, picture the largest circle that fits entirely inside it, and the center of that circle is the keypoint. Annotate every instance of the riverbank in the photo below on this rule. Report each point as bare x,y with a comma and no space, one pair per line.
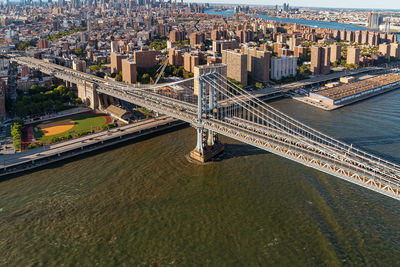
39,157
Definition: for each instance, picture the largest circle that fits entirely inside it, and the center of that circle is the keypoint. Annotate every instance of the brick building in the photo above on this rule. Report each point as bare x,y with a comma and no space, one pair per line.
258,64
197,38
177,36
145,58
236,65
79,65
175,57
300,51
336,51
116,62
42,44
353,55
190,61
395,50
320,60
384,49
128,71
218,35
220,45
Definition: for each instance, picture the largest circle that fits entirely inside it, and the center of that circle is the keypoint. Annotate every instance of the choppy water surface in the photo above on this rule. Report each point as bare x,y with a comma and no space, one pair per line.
143,203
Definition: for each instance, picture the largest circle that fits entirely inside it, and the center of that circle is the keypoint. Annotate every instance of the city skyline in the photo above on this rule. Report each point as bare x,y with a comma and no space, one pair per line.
354,4
357,4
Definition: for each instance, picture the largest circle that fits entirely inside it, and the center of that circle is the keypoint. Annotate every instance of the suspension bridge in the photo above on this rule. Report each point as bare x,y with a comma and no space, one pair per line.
215,106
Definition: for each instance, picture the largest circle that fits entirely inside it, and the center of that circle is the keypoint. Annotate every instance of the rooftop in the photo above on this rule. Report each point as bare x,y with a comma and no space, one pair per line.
360,86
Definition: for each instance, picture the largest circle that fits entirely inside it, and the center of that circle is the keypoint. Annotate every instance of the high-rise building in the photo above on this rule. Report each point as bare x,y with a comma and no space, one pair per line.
114,47
79,65
335,52
245,36
42,44
353,55
116,62
364,37
357,37
385,49
350,36
196,38
128,71
395,50
190,61
218,35
145,58
300,51
258,64
175,57
220,45
283,67
293,42
236,65
374,20
343,35
320,60
177,36
372,39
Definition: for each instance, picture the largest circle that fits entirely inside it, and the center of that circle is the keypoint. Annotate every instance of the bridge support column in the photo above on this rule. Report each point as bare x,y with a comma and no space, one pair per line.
208,145
87,92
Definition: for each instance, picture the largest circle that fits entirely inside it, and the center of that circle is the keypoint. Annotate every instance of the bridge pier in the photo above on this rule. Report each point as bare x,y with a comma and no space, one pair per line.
208,145
87,92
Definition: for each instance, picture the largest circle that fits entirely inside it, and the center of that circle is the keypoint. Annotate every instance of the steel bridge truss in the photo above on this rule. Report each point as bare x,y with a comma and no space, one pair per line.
221,107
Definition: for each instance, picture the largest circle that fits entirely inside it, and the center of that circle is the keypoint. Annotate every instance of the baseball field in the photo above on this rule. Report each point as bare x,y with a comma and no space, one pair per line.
75,125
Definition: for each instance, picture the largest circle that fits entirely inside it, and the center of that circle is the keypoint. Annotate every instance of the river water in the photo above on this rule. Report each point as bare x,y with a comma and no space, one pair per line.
311,23
143,203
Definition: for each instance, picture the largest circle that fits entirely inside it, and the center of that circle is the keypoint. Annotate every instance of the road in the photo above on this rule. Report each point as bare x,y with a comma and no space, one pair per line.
82,143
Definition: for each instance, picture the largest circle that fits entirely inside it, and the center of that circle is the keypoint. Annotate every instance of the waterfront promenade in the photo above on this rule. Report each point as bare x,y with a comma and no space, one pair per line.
37,157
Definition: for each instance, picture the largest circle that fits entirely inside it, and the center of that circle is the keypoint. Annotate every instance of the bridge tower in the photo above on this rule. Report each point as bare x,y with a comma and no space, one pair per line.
208,144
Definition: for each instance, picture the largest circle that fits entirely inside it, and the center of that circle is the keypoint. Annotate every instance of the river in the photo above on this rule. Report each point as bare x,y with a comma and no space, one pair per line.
311,23
143,203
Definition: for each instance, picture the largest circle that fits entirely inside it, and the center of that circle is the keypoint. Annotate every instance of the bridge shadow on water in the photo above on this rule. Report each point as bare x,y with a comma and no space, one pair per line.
370,141
238,150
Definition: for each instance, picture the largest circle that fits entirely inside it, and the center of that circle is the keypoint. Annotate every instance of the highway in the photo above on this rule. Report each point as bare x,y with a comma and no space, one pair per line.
37,157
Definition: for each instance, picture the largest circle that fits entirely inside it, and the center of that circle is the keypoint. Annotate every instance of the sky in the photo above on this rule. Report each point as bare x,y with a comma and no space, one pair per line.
371,4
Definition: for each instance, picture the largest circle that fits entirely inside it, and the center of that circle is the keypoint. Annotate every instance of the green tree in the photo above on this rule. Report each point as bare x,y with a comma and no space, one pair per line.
118,76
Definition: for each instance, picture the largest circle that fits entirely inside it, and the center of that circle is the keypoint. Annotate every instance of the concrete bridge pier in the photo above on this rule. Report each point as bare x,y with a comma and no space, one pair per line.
208,145
88,94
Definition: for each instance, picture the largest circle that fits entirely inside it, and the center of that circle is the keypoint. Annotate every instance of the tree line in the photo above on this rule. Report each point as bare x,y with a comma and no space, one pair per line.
42,99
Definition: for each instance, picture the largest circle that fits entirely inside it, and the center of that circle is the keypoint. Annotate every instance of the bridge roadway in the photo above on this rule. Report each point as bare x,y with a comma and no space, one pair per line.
377,176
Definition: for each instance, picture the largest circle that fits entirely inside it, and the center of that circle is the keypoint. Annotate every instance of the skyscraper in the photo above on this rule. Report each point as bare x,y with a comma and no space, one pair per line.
374,20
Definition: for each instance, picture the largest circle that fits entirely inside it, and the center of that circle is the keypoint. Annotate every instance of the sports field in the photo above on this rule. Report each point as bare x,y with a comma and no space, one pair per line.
74,125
